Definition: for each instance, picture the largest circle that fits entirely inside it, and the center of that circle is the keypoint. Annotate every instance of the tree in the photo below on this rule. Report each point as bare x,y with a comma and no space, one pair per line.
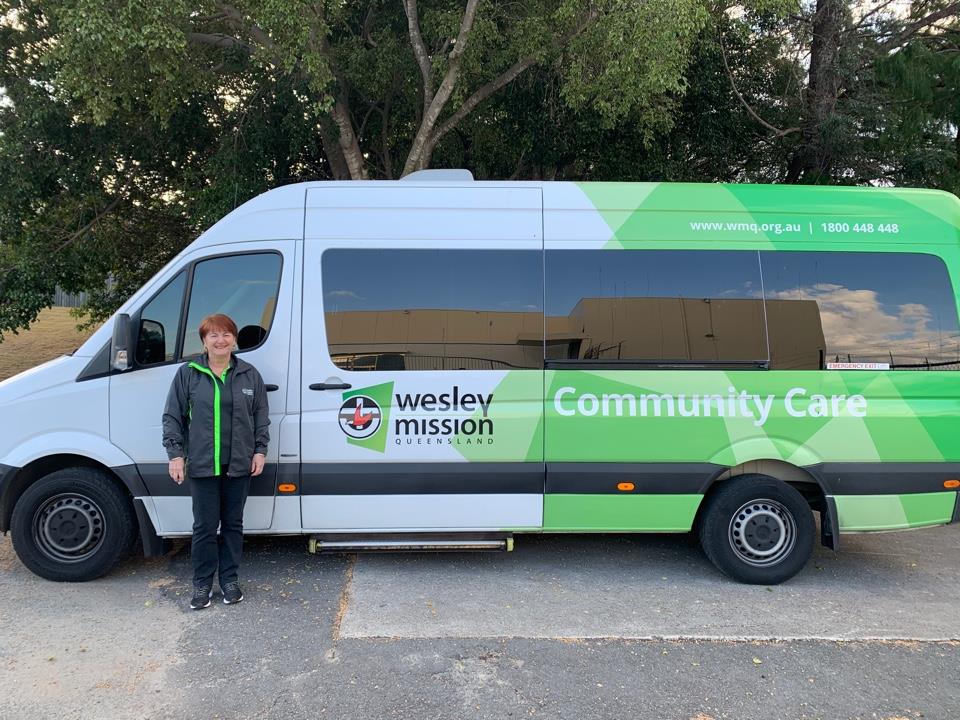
434,63
839,109
919,144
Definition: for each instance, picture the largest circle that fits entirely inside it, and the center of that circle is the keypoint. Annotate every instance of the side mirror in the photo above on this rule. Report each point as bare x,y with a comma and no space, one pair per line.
120,343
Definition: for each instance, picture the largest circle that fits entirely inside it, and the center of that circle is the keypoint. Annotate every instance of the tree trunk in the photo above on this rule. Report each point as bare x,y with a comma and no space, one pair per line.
813,159
348,139
333,151
956,144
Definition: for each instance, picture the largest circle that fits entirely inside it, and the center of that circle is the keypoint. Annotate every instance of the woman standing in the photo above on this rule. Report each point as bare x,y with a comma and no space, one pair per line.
215,429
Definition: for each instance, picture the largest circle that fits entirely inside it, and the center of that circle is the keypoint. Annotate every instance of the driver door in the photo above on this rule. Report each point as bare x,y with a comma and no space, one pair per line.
255,289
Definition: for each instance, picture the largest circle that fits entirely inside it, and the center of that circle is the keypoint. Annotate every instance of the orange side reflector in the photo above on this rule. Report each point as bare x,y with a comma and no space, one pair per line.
951,483
287,487
625,487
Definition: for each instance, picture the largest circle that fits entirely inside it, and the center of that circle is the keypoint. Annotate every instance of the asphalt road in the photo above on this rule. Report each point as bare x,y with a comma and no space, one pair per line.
564,627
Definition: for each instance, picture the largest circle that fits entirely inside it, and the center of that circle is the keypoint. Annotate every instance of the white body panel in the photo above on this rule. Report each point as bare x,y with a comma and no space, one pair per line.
175,514
405,217
406,513
46,412
395,213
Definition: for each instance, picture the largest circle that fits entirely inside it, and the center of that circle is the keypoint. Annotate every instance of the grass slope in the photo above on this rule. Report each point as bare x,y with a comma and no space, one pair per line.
55,333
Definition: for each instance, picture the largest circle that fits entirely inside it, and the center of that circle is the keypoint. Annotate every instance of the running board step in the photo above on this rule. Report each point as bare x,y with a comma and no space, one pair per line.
410,542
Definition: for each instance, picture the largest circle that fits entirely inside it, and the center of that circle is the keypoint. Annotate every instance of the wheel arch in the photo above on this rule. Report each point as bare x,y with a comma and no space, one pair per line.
126,477
797,477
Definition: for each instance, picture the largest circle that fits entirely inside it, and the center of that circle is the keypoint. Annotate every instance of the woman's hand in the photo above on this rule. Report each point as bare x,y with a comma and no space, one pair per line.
256,465
176,470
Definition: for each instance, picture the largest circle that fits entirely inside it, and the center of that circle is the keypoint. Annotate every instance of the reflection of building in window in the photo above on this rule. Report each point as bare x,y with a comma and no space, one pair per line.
626,329
435,339
795,334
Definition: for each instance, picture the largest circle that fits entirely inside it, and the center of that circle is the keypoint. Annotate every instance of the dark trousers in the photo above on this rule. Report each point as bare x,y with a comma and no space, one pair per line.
217,501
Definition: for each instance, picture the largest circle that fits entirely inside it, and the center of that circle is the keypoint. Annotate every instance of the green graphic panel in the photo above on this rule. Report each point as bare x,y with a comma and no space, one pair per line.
732,417
383,396
770,216
609,513
675,211
862,513
517,415
617,202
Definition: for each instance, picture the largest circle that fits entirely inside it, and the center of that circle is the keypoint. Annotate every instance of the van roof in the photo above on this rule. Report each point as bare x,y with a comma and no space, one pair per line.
279,213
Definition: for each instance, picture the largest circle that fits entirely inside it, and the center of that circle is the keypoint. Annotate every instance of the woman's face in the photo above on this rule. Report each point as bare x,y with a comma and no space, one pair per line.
219,343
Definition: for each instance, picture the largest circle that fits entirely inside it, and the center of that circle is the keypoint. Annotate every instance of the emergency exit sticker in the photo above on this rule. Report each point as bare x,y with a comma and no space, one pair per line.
857,366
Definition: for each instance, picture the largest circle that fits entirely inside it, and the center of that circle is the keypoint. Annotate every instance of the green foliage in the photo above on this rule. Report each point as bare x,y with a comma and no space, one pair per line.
632,60
111,57
919,138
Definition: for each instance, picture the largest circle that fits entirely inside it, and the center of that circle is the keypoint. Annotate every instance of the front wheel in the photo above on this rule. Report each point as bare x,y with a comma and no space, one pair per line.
73,525
757,530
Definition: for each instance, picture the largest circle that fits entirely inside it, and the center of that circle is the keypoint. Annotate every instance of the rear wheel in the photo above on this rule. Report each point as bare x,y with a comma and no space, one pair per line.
757,530
73,525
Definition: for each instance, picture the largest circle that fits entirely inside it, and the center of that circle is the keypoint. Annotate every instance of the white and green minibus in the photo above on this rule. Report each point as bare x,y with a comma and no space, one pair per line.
452,364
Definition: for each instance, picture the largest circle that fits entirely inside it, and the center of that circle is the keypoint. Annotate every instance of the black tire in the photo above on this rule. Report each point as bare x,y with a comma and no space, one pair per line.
73,525
757,530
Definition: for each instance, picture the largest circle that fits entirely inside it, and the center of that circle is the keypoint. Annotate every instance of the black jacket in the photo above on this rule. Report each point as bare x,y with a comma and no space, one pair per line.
191,417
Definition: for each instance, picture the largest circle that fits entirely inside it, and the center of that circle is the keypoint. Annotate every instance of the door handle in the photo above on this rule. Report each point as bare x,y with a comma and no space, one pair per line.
271,387
331,386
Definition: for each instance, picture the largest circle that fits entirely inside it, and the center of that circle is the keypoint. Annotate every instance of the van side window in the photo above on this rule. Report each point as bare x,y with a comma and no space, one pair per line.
160,324
244,287
650,306
894,310
433,309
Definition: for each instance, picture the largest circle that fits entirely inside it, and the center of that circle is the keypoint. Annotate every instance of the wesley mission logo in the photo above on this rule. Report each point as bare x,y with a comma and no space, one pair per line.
447,418
360,417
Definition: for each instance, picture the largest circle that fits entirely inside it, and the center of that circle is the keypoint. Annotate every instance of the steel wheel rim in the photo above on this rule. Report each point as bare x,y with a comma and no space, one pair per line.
762,532
68,527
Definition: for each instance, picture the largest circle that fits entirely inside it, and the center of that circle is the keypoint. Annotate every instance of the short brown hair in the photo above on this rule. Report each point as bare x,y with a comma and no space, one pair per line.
217,321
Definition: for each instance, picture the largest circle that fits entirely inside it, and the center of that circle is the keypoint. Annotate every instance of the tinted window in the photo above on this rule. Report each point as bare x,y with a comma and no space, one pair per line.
242,286
896,309
433,309
160,324
654,305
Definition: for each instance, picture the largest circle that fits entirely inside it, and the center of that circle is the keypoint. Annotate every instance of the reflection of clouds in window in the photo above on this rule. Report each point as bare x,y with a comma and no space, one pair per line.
516,306
858,322
344,294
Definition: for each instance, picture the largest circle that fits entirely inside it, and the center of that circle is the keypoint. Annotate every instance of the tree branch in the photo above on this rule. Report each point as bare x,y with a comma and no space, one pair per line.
78,234
912,29
74,236
419,52
217,40
237,21
367,24
366,117
505,78
466,25
777,131
862,21
444,92
488,89
481,94
340,112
